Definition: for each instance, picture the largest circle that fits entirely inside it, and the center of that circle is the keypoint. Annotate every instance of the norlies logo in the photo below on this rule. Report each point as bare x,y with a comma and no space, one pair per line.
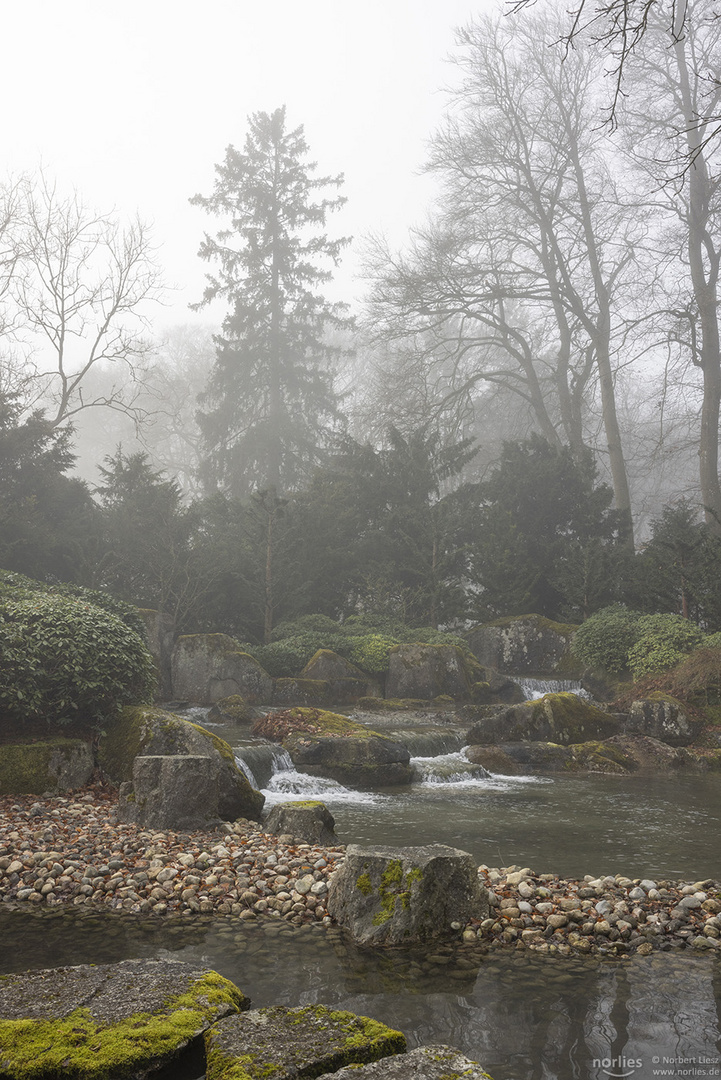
617,1067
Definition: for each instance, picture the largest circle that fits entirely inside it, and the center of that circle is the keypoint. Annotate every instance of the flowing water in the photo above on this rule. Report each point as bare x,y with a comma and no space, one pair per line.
523,1016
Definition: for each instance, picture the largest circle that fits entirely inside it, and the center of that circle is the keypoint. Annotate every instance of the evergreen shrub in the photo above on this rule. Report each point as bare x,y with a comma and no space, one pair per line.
662,641
64,660
603,641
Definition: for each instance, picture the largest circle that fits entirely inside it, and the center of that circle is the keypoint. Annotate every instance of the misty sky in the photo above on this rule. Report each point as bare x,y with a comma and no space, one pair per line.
133,104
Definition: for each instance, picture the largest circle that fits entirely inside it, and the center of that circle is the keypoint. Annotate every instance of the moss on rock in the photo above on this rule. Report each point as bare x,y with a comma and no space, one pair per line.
279,1043
51,765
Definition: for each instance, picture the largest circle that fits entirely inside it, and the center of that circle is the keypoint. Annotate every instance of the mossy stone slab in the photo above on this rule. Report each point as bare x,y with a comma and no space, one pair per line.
107,1021
282,1043
428,1062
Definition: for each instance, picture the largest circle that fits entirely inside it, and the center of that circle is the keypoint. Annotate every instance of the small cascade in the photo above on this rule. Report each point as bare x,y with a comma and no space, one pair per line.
428,742
536,688
454,768
261,760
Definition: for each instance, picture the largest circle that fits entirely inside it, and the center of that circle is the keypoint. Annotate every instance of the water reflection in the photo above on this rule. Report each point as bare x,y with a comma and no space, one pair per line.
524,1017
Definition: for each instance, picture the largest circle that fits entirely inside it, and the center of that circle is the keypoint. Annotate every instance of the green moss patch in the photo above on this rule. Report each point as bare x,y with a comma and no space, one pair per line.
281,1043
33,768
277,726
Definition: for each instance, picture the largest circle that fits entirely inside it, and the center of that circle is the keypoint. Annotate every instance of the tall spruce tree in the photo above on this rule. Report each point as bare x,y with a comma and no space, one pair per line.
270,405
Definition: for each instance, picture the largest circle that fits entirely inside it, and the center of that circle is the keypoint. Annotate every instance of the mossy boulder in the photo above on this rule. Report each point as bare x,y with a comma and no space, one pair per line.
231,710
308,821
430,671
662,717
347,682
593,756
51,765
493,759
557,718
284,1043
208,667
301,691
403,896
436,1062
323,743
147,731
525,645
97,1022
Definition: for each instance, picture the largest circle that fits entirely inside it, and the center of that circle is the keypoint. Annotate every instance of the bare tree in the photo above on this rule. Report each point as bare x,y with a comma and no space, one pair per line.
668,136
527,268
76,287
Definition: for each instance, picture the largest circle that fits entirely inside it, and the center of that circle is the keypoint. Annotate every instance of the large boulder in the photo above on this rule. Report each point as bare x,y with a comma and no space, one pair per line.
556,718
301,691
594,756
145,731
308,822
160,634
51,765
524,645
107,1020
435,1062
404,896
208,667
346,681
662,717
184,792
428,671
285,1043
325,744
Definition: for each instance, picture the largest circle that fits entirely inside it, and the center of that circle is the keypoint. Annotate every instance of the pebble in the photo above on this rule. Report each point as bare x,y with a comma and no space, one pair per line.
71,850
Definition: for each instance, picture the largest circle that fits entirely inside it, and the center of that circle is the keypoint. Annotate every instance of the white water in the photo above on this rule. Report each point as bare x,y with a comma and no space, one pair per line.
536,688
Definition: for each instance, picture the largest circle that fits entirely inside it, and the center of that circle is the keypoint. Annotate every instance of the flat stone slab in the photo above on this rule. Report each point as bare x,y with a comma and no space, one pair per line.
404,896
121,1020
302,1042
428,1062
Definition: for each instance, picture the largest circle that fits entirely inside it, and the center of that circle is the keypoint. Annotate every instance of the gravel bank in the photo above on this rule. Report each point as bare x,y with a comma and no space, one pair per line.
56,851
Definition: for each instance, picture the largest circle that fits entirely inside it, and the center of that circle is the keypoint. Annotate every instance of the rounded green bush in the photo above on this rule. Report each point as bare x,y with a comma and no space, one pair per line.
662,642
287,658
603,641
65,660
370,652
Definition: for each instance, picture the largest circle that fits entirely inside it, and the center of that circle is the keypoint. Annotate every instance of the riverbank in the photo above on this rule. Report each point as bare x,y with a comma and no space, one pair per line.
71,851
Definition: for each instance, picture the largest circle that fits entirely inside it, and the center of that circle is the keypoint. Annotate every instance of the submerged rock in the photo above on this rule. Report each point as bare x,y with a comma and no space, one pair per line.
286,1043
119,1020
428,1062
396,896
308,822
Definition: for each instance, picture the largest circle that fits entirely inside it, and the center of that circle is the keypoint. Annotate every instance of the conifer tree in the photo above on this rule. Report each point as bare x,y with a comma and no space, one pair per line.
270,404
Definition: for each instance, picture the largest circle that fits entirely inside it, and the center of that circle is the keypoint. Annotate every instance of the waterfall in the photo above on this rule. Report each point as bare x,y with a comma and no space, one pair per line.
428,742
454,768
536,688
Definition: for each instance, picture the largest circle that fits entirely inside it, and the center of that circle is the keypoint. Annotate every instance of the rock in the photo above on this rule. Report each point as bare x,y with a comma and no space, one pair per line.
184,792
524,645
308,822
52,765
301,692
604,757
120,1020
426,1062
494,759
286,1043
208,667
556,718
394,896
231,710
160,634
428,671
346,681
661,717
144,731
325,744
